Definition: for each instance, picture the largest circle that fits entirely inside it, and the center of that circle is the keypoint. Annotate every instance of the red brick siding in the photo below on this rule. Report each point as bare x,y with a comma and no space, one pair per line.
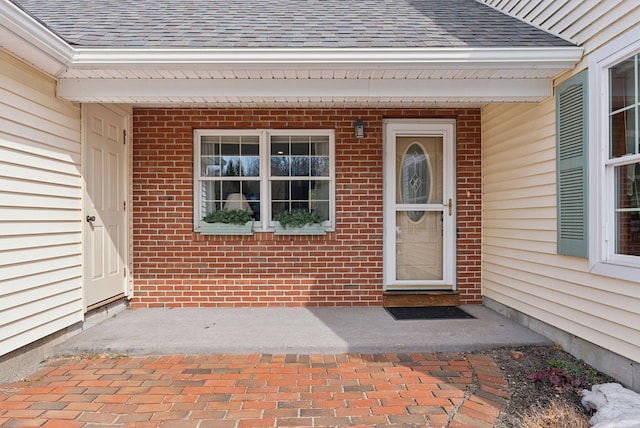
172,266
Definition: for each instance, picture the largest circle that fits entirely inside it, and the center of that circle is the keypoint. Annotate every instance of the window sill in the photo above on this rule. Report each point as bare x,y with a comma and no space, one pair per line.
618,271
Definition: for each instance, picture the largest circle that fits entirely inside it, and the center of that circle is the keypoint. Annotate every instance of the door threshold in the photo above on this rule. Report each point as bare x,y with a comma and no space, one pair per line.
105,302
394,299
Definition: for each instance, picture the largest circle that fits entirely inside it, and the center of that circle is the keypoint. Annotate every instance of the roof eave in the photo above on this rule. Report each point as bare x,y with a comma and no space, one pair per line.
28,39
560,58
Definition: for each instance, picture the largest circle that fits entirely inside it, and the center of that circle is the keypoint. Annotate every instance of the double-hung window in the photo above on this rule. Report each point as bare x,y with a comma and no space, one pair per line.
623,163
615,165
265,172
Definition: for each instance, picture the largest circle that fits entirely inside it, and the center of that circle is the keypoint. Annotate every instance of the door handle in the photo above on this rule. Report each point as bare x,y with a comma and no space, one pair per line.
91,218
450,206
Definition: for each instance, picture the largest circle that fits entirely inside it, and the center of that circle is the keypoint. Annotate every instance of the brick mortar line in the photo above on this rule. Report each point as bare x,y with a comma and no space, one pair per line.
471,389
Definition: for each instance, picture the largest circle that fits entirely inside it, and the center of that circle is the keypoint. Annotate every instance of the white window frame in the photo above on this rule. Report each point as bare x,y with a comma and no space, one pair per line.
602,257
265,171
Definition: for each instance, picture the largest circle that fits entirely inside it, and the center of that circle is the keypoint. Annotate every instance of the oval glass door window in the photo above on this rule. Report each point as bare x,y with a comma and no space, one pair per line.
415,179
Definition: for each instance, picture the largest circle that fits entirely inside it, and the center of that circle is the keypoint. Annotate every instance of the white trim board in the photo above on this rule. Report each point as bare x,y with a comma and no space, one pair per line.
142,90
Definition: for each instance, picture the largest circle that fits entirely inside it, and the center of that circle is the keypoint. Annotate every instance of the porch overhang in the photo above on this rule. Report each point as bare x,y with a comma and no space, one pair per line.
314,76
297,76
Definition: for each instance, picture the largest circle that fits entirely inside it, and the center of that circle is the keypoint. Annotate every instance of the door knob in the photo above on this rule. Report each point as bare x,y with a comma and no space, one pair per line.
91,218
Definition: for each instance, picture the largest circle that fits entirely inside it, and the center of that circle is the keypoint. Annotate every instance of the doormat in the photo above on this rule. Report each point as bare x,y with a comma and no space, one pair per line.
428,313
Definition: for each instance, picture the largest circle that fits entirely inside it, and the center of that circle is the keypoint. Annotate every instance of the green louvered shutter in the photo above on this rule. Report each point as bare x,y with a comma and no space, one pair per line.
571,122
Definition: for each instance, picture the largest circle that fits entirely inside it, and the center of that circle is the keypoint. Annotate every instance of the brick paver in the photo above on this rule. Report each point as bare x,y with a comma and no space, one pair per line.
408,390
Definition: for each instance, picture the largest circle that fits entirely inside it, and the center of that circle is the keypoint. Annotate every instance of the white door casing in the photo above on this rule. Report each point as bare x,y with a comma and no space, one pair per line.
105,216
419,204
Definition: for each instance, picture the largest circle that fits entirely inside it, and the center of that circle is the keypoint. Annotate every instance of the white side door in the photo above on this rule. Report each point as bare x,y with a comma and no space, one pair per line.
419,205
105,232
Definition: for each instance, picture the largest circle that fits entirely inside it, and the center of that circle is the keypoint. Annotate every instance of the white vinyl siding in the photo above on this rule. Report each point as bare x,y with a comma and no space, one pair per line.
588,23
521,268
40,207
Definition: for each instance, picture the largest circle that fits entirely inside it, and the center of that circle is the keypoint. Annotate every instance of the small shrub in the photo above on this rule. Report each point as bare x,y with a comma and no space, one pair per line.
228,216
563,374
576,368
298,218
556,376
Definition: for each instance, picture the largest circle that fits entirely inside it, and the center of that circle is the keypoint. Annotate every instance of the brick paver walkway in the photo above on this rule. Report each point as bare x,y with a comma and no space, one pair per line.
409,390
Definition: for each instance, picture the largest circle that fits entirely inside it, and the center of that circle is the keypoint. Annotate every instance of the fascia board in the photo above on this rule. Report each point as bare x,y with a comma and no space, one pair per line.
141,89
467,58
27,38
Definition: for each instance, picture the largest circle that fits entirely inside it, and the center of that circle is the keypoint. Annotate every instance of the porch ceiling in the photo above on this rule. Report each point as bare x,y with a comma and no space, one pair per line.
304,91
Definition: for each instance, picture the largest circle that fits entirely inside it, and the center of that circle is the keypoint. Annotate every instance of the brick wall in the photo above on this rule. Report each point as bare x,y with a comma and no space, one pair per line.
172,266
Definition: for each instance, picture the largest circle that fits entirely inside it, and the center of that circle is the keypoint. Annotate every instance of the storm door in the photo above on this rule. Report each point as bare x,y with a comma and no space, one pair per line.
419,218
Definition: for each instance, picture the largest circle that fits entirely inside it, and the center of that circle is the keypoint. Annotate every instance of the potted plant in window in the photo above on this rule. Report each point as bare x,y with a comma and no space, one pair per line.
227,222
299,222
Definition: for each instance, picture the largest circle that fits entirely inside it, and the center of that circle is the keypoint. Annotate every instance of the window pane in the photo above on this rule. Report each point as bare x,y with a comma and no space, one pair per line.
210,194
300,149
251,192
230,187
624,103
300,194
229,195
209,159
320,148
230,149
622,78
280,166
321,208
250,149
280,190
299,205
250,166
627,209
279,148
279,207
300,190
320,166
210,166
231,166
300,166
623,133
319,198
300,156
319,191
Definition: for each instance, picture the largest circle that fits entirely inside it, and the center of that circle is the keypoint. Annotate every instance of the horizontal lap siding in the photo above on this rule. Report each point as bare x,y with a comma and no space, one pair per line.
40,207
173,266
520,266
588,23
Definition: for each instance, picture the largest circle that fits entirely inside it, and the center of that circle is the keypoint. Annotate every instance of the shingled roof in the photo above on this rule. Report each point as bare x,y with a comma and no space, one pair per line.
285,24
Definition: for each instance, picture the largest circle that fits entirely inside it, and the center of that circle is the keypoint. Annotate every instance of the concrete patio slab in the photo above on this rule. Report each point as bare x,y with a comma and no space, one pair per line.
301,330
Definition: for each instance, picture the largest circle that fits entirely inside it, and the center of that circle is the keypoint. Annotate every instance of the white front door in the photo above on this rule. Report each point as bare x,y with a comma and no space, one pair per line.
105,232
419,205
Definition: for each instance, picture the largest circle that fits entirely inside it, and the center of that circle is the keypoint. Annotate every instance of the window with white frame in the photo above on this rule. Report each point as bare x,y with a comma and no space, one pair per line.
615,168
623,163
265,172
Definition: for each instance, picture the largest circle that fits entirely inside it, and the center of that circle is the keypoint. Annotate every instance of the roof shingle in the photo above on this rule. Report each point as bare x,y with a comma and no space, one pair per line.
285,24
